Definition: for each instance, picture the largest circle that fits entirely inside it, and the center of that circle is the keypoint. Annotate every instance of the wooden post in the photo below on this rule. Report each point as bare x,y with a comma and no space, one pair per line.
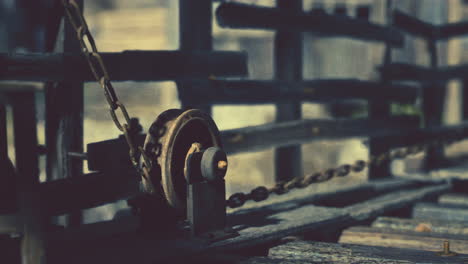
24,122
433,106
64,122
288,67
195,34
378,110
7,175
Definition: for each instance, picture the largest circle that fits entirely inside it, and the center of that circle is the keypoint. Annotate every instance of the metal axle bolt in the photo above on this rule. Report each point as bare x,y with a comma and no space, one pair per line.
222,164
446,252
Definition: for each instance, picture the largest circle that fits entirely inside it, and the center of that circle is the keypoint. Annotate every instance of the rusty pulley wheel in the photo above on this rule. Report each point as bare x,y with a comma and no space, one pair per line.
167,144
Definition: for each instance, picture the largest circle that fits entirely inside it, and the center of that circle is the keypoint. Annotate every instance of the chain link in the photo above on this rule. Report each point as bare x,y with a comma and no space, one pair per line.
99,71
262,193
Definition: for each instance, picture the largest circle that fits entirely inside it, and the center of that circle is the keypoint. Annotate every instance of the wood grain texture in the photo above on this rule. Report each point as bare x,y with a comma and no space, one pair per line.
454,199
440,212
403,239
316,252
269,229
236,15
124,66
422,225
321,90
395,200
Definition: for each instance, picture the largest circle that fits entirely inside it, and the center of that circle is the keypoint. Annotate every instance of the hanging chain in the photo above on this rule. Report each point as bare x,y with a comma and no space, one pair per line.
96,64
262,193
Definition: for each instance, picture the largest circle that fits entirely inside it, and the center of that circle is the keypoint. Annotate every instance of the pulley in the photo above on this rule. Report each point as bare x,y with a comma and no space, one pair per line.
188,167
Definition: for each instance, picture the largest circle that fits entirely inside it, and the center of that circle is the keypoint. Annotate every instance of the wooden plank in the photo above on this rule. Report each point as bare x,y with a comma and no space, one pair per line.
256,138
418,27
324,90
64,121
409,72
440,212
8,201
422,225
262,137
237,15
268,229
25,139
319,252
195,35
371,236
288,67
124,66
392,201
91,190
413,25
381,109
459,199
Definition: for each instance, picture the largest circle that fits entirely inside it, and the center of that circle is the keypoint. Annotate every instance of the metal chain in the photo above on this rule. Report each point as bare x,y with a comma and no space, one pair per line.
262,193
96,64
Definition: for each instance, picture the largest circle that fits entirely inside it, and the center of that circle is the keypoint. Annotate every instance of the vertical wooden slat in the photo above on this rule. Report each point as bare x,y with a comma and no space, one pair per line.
7,175
380,109
195,34
64,122
3,133
24,123
433,96
288,67
465,98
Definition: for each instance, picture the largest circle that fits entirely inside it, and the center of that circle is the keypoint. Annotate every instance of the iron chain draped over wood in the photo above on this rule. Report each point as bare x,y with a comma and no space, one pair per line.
262,193
98,68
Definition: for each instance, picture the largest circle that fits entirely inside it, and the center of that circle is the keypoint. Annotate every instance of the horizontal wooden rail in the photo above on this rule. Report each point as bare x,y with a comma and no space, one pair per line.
418,27
256,138
408,72
267,92
249,16
87,191
275,135
124,66
421,135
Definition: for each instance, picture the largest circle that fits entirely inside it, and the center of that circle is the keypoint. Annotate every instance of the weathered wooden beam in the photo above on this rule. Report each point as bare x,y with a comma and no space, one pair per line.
318,252
423,135
237,15
124,66
288,67
372,236
422,225
326,90
381,109
418,27
413,25
262,137
195,35
27,168
456,199
392,201
288,221
440,212
64,108
409,72
90,190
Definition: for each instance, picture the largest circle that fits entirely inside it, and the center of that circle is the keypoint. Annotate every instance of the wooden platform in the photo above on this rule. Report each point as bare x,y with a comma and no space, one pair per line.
262,225
314,252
